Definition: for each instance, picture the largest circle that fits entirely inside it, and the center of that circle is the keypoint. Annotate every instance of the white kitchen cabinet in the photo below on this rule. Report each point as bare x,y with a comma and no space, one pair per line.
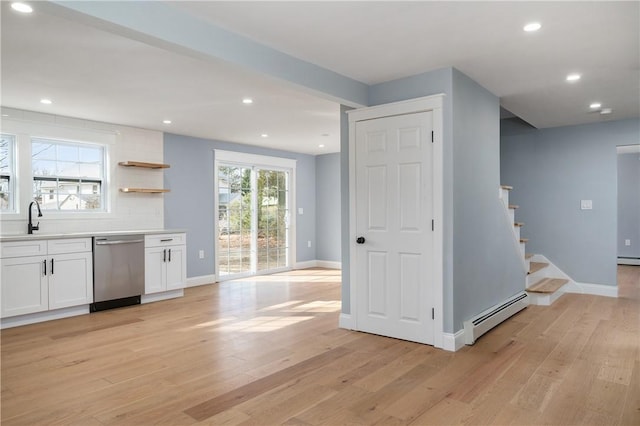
165,262
44,275
71,280
24,285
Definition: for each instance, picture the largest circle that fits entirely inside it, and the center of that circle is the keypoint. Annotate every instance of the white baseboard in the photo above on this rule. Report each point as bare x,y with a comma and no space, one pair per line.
328,264
201,280
307,264
156,297
346,321
628,261
593,289
43,316
318,264
453,342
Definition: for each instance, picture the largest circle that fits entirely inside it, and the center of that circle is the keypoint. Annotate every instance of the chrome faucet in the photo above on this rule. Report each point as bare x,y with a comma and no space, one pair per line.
30,227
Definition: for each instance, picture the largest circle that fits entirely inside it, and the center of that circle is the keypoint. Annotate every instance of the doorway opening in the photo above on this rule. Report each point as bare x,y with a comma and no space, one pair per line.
254,226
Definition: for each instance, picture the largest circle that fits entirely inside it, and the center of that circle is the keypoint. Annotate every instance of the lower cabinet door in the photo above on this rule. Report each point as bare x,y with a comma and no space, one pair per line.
155,259
176,267
24,285
70,280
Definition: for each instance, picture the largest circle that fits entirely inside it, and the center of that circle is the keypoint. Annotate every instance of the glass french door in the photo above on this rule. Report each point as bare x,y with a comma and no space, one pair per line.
253,220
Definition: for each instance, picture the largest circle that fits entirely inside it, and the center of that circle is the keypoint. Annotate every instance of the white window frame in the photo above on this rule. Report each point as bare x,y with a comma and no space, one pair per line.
11,174
104,196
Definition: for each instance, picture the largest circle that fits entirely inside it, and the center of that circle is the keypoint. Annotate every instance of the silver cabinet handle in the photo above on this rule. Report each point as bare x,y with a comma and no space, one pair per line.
109,243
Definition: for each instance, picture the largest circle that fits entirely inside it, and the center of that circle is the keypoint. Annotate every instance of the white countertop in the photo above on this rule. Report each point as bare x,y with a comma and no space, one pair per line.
43,236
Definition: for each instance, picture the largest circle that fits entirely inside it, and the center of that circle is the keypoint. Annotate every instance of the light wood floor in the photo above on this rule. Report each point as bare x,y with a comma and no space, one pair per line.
269,351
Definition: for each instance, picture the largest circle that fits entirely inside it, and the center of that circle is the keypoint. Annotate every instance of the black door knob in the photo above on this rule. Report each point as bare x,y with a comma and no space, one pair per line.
360,240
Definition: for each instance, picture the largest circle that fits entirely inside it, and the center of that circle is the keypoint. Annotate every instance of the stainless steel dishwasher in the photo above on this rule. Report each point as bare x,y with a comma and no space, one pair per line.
118,271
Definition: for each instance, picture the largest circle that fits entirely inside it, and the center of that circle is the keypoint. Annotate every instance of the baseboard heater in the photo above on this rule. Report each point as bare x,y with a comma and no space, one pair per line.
485,321
629,261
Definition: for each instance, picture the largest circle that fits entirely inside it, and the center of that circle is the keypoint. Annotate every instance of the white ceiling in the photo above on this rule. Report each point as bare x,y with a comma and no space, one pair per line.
103,76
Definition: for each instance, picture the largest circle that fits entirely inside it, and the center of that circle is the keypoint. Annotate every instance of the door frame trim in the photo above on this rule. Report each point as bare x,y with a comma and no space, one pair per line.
257,161
433,103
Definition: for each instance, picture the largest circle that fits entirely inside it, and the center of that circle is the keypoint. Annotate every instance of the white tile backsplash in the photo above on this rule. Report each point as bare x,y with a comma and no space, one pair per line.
128,211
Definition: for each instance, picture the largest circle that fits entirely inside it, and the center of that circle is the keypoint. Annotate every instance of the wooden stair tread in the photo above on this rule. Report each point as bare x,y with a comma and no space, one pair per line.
524,240
513,206
536,266
507,187
528,255
547,285
518,224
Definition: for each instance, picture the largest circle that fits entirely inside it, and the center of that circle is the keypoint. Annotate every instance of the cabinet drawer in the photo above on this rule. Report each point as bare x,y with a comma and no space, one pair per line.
23,248
161,240
69,245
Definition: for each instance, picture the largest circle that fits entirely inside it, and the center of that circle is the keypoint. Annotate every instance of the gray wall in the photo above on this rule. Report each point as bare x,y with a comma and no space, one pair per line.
629,204
328,207
551,171
190,204
481,266
487,265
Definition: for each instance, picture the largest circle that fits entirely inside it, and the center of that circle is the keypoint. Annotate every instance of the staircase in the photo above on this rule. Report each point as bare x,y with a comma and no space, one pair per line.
545,282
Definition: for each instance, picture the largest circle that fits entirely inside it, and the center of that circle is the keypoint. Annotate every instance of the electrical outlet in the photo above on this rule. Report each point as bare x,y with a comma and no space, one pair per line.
201,254
309,243
627,243
586,204
300,210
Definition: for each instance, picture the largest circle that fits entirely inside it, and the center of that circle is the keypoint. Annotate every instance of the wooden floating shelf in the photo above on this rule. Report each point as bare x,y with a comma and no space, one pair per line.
145,190
144,165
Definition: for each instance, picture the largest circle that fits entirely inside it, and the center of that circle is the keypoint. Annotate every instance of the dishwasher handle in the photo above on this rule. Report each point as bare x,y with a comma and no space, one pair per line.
114,242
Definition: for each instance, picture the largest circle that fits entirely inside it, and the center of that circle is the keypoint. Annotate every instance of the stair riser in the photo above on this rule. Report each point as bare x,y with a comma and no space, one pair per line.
538,275
544,299
504,194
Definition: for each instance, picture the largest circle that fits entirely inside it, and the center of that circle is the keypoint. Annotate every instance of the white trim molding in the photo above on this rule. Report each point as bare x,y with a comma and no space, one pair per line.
318,264
593,289
201,280
346,321
44,316
453,341
307,264
328,264
433,103
165,295
634,261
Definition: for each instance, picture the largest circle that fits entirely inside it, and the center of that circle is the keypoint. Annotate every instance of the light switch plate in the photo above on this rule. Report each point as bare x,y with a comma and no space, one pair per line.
627,243
300,210
586,204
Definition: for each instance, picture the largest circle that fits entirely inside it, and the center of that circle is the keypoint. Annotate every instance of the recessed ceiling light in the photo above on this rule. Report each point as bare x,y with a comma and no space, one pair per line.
264,135
247,101
606,111
573,77
531,27
166,121
5,115
321,146
21,7
46,101
595,105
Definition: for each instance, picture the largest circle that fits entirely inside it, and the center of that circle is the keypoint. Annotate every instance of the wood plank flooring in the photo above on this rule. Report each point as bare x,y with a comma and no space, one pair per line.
267,351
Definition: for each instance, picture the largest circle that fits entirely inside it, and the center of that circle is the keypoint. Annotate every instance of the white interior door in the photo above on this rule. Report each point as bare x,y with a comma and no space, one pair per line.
394,212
